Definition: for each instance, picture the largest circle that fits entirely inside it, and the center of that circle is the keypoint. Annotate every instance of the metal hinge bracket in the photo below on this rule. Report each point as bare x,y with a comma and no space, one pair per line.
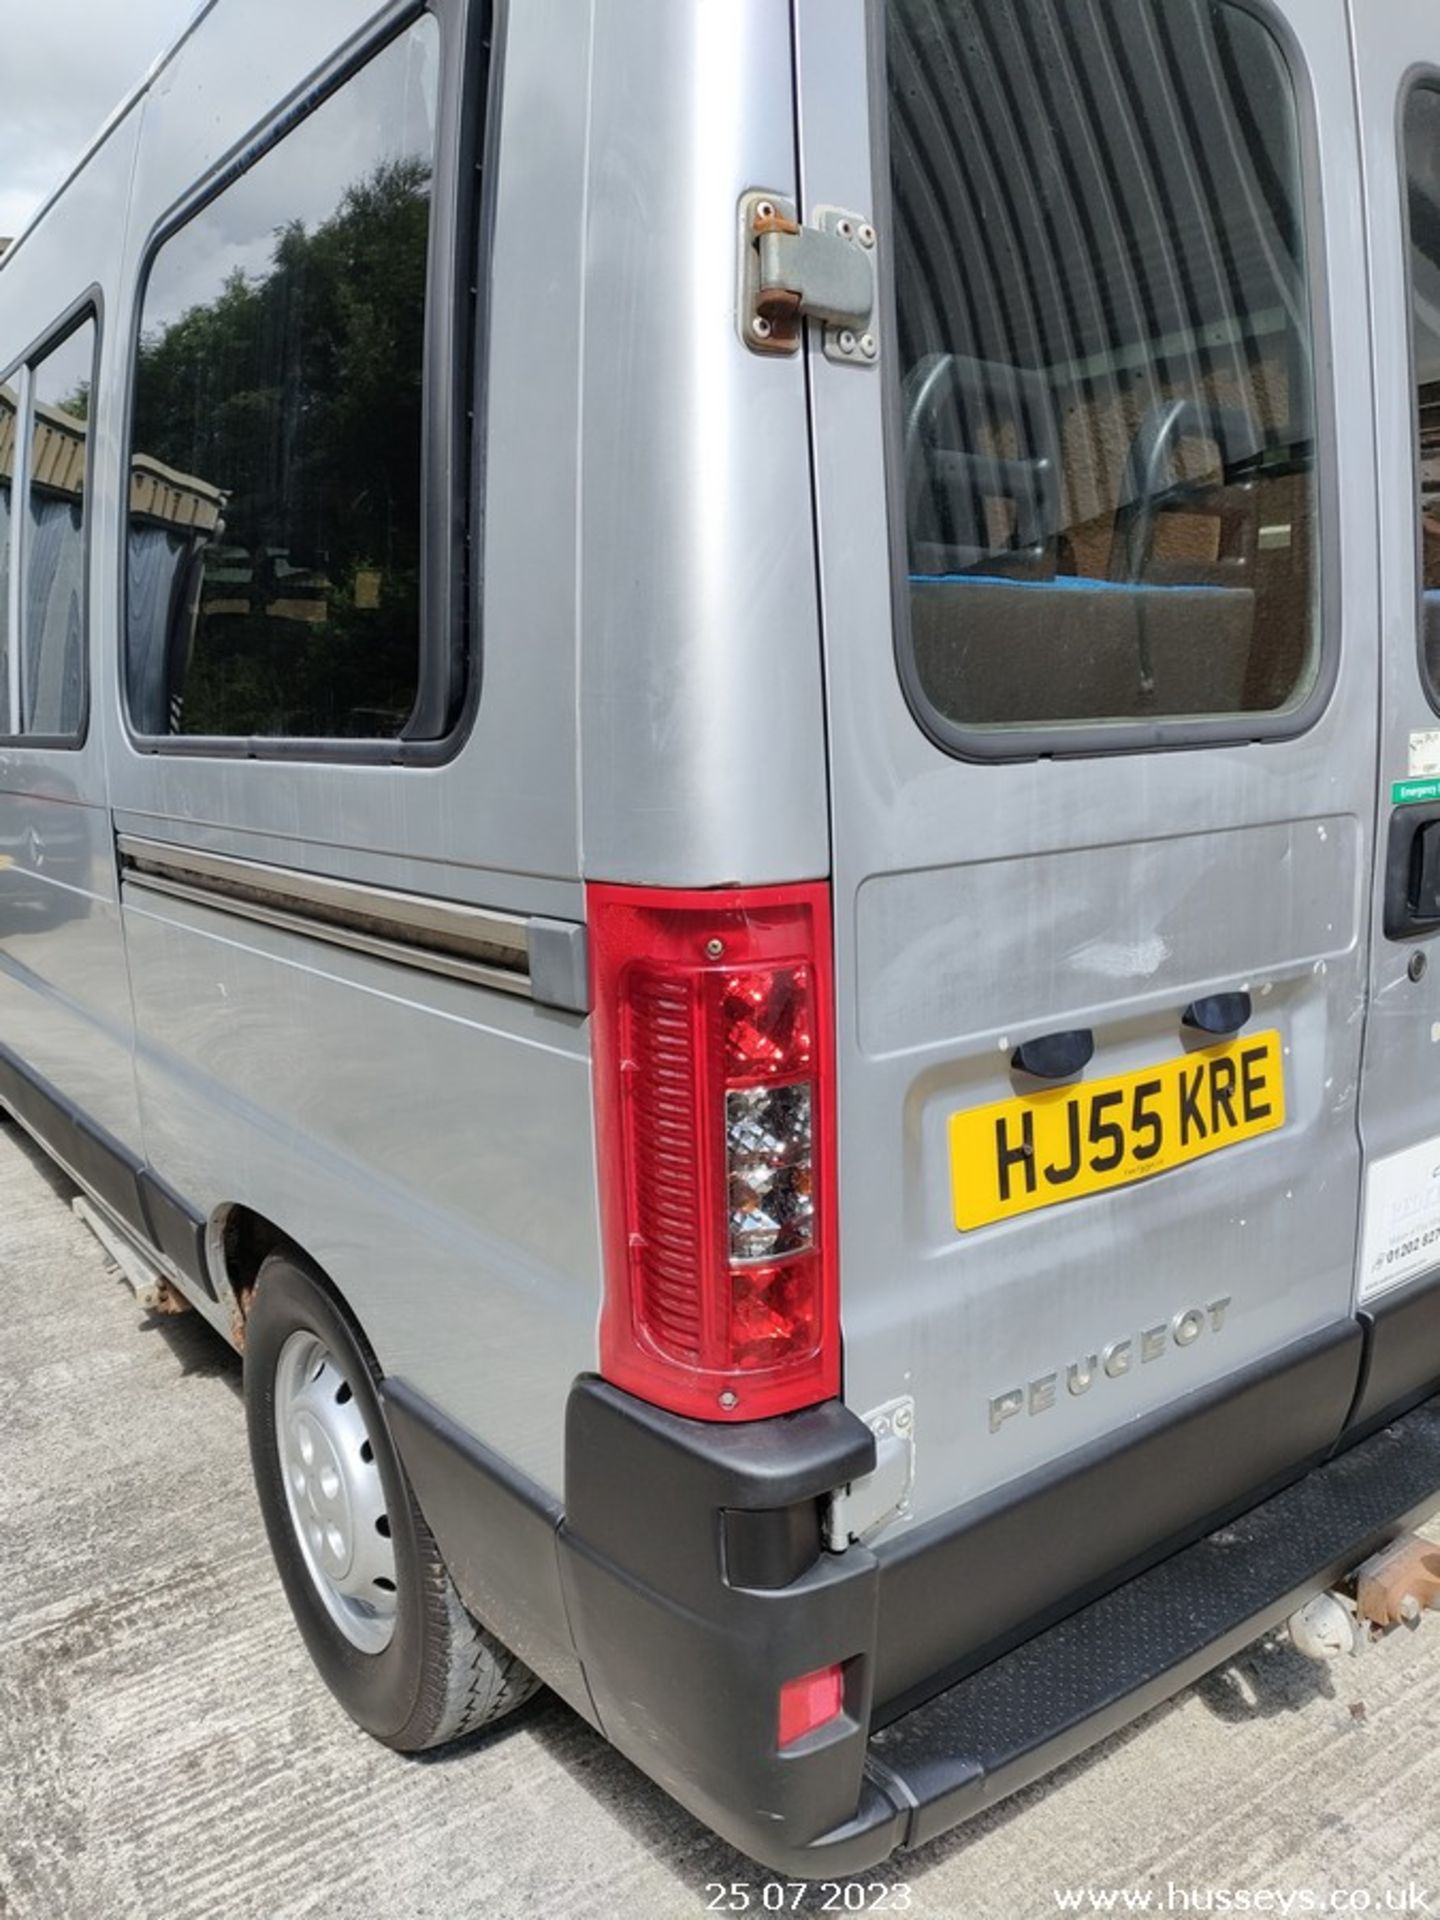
883,1494
791,273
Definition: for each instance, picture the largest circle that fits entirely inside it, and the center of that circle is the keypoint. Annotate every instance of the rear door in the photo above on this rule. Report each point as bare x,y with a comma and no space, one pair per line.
1398,60
1102,696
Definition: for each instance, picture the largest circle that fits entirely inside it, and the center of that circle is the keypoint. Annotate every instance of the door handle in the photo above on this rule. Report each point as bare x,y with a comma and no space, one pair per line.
1055,1056
1218,1013
1412,872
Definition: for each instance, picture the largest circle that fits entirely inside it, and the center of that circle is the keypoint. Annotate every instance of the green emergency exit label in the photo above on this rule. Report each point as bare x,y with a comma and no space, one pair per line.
1405,793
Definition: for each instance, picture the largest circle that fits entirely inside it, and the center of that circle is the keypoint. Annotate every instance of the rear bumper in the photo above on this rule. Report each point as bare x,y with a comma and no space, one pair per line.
685,1581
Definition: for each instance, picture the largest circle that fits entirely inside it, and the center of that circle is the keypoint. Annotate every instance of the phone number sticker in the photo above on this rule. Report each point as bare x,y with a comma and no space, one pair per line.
1401,1236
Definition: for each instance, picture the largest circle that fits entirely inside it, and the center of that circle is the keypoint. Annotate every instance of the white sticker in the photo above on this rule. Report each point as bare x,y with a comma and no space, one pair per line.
1425,754
1401,1235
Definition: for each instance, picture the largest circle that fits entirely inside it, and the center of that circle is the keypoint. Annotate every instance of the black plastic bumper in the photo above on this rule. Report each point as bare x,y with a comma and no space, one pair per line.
696,1585
684,1582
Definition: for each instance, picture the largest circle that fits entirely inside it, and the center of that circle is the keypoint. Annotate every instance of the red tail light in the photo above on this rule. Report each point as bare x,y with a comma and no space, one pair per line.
714,1087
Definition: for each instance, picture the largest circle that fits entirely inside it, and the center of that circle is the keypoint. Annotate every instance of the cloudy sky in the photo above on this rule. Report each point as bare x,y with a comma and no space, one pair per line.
66,64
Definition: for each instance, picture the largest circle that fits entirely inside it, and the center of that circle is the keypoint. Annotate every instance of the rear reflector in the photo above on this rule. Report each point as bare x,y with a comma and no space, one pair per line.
714,1107
807,1703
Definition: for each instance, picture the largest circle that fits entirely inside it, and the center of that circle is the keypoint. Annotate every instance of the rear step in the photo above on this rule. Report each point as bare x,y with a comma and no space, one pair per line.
1031,1711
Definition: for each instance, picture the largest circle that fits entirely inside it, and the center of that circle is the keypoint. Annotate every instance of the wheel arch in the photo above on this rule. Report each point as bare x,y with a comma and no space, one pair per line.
239,1240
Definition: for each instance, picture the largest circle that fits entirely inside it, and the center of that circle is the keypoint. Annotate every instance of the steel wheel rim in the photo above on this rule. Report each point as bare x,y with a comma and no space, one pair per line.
334,1492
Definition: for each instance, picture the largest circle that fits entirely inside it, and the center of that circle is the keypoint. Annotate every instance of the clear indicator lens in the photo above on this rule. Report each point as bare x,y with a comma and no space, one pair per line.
769,1161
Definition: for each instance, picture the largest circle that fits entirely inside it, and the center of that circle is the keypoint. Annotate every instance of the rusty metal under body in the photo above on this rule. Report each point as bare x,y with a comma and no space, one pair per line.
1395,1587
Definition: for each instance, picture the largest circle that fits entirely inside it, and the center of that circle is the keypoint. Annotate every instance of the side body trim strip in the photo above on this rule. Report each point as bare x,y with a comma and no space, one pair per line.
508,951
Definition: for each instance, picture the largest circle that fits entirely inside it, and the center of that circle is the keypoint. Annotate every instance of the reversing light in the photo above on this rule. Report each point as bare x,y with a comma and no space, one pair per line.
714,1104
807,1703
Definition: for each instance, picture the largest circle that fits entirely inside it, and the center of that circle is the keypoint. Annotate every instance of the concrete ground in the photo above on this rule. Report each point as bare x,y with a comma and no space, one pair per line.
166,1750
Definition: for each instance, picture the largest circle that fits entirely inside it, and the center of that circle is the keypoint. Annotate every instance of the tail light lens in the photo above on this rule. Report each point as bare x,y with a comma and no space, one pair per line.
714,1081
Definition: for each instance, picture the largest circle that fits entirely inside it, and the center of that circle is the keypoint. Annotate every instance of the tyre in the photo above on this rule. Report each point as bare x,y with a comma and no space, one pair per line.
363,1575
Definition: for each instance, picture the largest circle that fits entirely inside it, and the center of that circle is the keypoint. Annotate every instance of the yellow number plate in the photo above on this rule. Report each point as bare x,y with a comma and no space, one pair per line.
1084,1138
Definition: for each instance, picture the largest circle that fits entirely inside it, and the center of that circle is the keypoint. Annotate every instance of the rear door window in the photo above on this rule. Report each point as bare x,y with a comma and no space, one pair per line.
1106,436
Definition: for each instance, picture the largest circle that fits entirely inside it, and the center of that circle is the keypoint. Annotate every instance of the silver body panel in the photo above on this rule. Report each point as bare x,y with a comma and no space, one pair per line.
701,651
432,1138
667,699
978,905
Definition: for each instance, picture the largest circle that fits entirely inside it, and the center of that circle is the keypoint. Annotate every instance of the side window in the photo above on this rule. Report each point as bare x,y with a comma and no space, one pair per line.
1106,371
52,672
1422,153
44,544
276,529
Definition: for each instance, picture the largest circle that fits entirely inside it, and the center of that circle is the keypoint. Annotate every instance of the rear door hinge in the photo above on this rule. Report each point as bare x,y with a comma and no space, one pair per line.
883,1494
791,273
